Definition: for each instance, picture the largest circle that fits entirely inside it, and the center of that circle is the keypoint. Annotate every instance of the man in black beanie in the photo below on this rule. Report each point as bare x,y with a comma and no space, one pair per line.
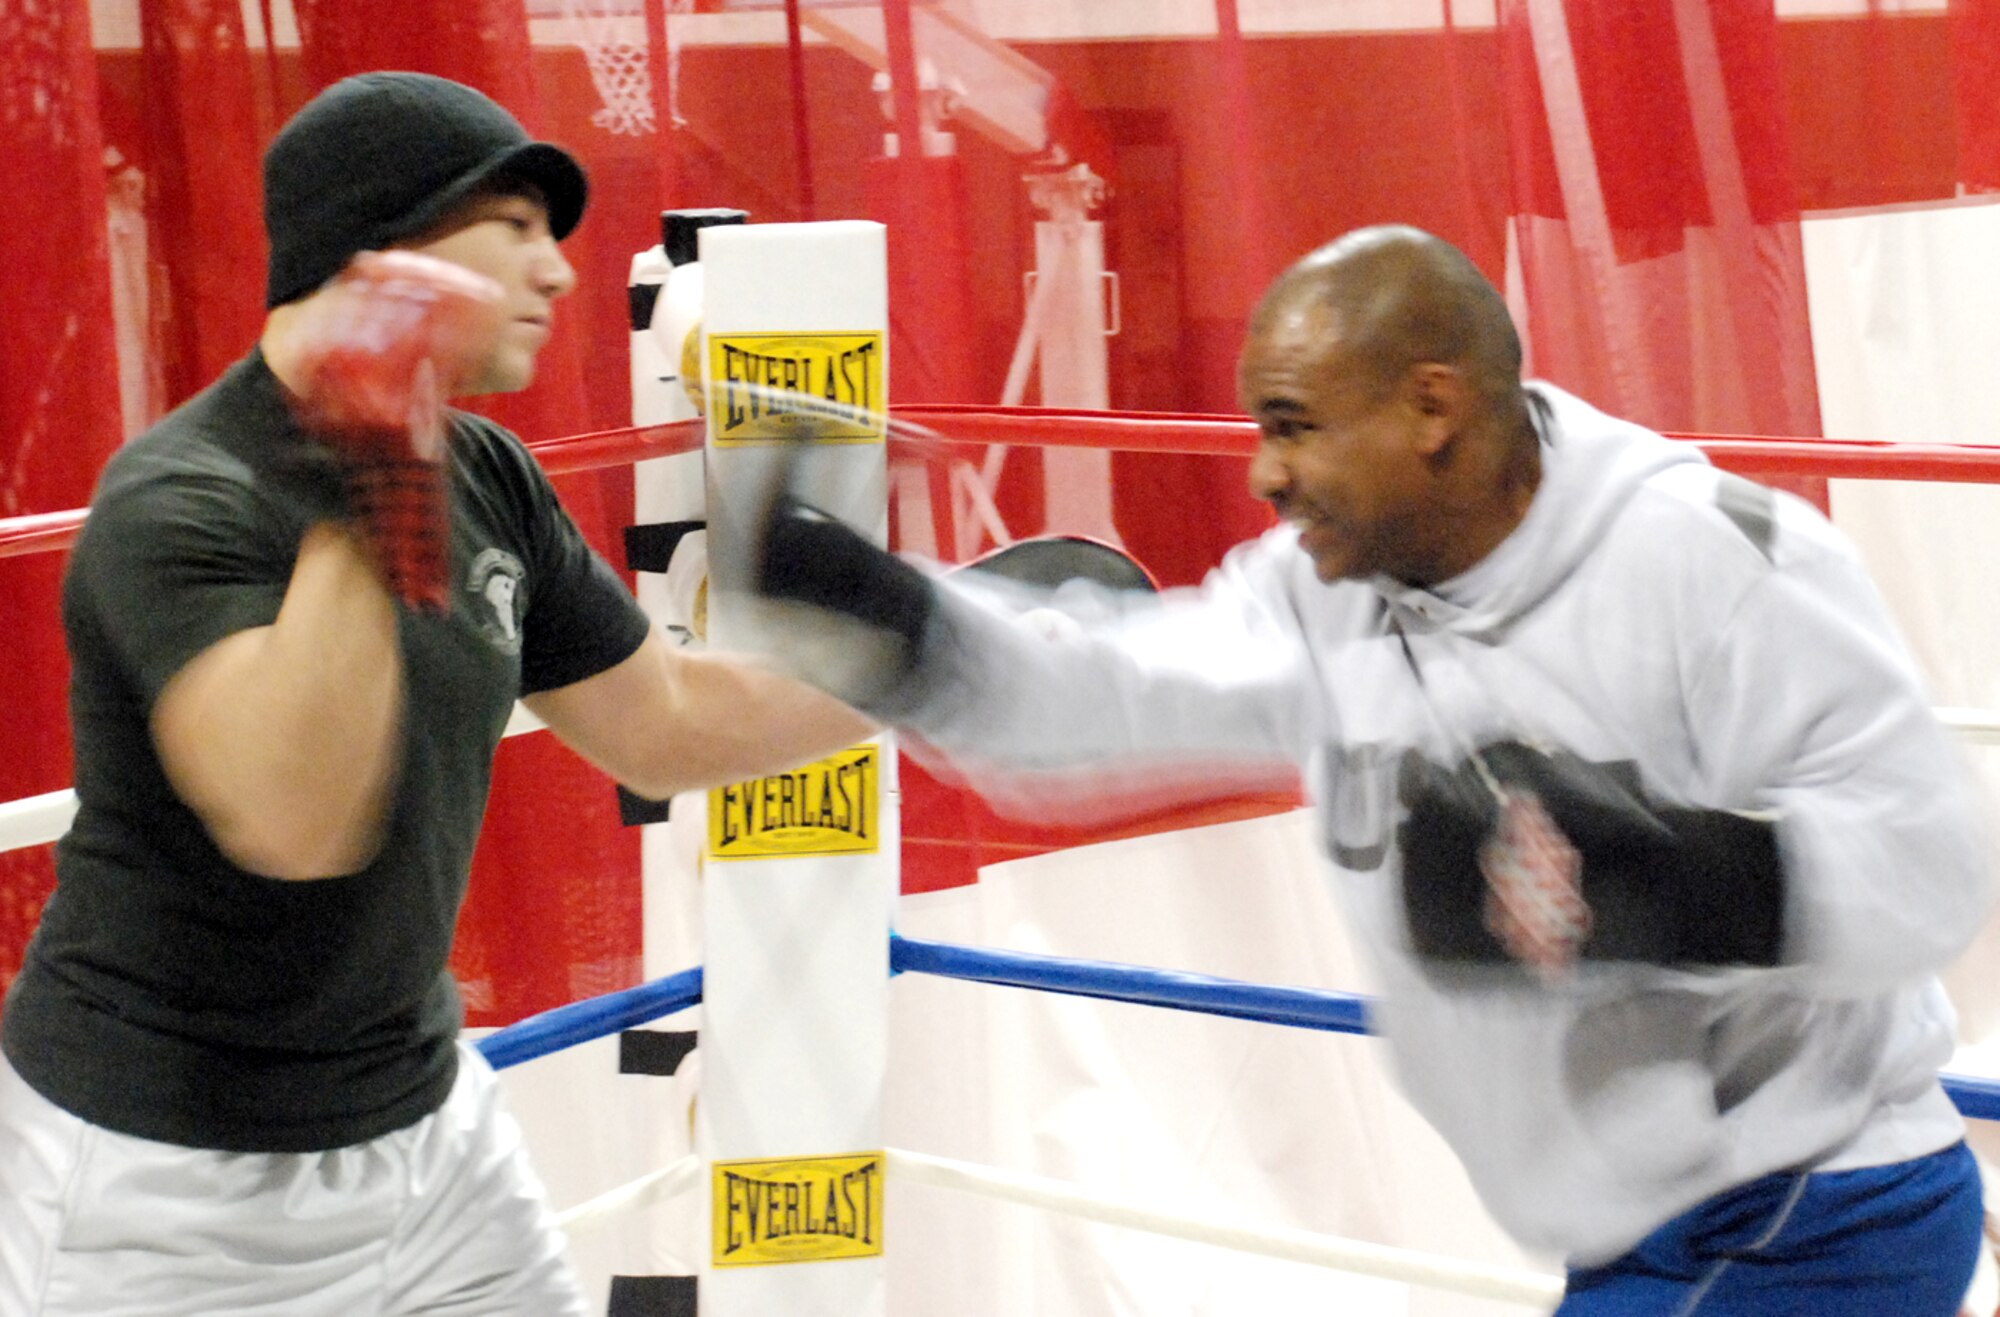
299,615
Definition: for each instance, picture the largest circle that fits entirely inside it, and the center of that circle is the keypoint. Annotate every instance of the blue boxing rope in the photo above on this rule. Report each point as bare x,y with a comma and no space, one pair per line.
1305,1008
579,1022
1977,1099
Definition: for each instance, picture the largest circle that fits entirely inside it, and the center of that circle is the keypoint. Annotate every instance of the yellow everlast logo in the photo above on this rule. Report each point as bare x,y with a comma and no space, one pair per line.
764,386
799,1209
830,807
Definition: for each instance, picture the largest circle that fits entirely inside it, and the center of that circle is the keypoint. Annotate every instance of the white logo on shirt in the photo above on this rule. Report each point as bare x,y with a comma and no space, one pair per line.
494,580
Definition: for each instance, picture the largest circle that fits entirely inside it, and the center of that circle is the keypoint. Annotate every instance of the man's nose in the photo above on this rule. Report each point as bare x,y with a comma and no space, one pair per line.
1268,475
554,275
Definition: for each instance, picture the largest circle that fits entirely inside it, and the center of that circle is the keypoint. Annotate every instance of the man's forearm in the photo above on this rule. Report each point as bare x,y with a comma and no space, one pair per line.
664,721
744,721
285,739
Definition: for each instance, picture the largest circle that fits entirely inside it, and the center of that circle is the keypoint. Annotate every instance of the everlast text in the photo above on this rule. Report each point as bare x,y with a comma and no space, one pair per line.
765,385
829,807
803,1209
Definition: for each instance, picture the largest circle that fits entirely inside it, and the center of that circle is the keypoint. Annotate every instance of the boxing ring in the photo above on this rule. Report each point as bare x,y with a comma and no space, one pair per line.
43,819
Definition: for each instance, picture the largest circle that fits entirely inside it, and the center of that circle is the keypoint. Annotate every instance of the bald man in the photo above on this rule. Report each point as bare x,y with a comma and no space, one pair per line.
1624,771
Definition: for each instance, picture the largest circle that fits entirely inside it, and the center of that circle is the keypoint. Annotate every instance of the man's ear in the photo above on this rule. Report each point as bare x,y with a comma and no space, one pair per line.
1441,398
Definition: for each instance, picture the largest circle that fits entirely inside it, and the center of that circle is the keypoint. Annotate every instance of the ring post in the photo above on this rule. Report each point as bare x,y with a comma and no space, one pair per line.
669,496
801,872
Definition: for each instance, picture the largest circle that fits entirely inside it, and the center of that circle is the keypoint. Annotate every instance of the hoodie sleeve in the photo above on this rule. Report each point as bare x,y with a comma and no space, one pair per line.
1097,692
1811,708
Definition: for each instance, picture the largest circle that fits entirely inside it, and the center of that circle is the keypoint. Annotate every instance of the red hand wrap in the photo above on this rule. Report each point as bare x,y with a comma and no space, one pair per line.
397,334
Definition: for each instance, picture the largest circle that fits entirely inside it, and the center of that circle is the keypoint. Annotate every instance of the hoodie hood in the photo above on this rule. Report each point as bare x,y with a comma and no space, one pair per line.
1592,466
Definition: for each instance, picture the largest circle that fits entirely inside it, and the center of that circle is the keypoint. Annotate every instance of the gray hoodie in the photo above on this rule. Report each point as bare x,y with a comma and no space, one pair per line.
1650,610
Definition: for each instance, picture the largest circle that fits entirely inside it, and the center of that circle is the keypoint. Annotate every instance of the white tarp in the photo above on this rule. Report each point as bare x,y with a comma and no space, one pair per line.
1258,1124
1905,337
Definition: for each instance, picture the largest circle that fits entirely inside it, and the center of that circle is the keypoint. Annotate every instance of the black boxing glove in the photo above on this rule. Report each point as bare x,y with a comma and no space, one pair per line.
811,558
855,616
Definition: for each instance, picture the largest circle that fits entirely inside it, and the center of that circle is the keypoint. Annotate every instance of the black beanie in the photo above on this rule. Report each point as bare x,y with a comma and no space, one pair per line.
381,157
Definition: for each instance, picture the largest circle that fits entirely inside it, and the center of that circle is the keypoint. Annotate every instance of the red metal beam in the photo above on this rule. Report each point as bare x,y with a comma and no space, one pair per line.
795,63
899,48
659,66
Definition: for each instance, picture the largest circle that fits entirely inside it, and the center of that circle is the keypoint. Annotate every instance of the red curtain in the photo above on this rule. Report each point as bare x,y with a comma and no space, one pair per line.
1976,81
58,394
204,198
1645,163
1656,216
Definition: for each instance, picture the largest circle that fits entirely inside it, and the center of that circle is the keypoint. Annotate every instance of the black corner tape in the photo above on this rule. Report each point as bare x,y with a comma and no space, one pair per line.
680,230
634,811
654,1051
652,1296
639,300
651,548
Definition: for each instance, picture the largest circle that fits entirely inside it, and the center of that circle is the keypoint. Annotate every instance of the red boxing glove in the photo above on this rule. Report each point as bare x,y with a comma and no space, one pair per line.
394,336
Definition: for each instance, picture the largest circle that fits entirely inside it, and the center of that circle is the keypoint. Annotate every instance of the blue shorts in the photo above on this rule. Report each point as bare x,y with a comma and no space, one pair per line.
1900,1239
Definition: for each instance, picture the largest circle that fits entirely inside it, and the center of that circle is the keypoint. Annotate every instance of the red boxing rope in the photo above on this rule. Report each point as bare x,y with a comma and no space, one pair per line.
1166,432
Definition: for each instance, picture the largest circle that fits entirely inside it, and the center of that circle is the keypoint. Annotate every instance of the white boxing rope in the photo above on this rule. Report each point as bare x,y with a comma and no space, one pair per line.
522,721
1506,1284
36,820
669,1181
1979,726
1450,1275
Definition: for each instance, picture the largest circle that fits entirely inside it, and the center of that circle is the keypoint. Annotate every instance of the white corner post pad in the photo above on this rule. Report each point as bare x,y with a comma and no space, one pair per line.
801,871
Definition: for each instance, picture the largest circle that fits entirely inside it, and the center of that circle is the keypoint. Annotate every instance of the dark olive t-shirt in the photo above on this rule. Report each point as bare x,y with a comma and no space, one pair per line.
169,994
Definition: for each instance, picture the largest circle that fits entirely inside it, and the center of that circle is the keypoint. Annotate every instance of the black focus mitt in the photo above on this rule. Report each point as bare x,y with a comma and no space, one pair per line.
1517,856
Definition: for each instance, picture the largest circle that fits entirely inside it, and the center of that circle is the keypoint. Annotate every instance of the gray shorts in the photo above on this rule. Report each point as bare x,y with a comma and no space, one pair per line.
445,1216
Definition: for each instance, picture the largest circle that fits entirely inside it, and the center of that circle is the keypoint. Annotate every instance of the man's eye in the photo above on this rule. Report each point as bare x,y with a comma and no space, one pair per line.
518,216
